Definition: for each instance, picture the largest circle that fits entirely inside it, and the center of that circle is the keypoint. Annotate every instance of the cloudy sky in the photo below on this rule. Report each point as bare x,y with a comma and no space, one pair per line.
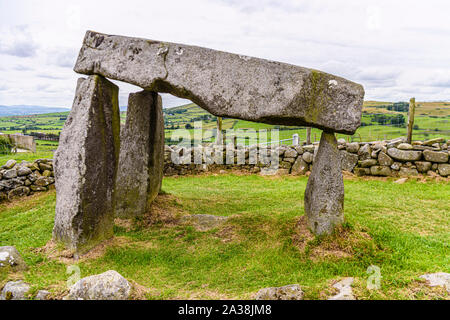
396,49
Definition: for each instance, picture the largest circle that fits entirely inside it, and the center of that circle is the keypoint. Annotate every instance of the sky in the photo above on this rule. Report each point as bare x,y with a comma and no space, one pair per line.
395,49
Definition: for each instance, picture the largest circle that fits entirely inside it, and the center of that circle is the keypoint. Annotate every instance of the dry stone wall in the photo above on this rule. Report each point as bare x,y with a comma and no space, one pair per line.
378,158
25,178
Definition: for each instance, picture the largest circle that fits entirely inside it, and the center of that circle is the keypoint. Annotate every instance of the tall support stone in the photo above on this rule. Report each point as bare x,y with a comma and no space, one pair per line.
141,157
86,166
324,195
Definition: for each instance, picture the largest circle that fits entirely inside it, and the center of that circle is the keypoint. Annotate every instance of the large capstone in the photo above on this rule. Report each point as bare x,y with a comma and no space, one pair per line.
225,84
324,195
86,164
141,158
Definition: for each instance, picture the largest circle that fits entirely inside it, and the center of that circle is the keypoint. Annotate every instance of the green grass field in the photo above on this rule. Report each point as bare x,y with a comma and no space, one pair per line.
403,229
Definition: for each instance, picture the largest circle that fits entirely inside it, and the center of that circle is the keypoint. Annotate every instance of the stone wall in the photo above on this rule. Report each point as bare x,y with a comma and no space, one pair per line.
22,141
379,158
25,178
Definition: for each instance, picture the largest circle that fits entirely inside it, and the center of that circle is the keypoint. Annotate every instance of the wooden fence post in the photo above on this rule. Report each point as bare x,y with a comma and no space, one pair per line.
219,136
308,135
412,109
295,139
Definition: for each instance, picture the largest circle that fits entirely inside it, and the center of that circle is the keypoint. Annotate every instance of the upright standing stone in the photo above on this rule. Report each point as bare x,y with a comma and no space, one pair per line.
141,158
324,195
86,165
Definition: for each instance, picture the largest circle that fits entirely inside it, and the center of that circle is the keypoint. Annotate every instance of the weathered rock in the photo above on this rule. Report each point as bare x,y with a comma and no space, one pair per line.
44,166
86,165
345,290
384,171
367,163
10,257
348,160
290,292
10,164
365,152
300,167
225,84
44,181
324,195
444,169
35,188
15,290
290,160
11,183
308,157
433,141
423,166
441,279
353,147
396,166
408,172
204,222
18,192
360,172
42,295
435,156
404,155
141,159
23,171
309,148
109,285
384,159
405,146
290,153
401,181
9,174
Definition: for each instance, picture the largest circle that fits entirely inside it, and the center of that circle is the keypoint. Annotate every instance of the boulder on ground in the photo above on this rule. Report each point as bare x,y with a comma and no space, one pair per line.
300,167
10,257
290,292
109,285
15,290
441,279
345,290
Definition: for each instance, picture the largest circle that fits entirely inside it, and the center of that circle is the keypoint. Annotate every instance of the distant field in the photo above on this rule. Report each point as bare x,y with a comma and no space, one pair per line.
432,120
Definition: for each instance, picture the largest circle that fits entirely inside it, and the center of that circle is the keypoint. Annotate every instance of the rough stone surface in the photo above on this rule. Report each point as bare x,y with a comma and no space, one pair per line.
290,292
15,290
18,193
353,147
42,295
435,156
300,167
106,286
10,257
308,157
225,84
348,160
444,169
441,279
9,174
9,164
384,159
324,195
141,159
405,146
423,166
204,222
404,155
345,290
365,152
86,164
384,171
408,172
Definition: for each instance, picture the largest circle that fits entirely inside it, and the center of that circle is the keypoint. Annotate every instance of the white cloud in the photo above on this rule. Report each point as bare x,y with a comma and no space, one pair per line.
395,49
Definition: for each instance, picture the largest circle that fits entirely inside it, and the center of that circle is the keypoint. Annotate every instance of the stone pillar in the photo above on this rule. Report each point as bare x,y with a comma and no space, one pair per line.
324,195
141,159
86,166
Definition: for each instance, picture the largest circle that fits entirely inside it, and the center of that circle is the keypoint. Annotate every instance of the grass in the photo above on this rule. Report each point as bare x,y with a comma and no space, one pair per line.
403,229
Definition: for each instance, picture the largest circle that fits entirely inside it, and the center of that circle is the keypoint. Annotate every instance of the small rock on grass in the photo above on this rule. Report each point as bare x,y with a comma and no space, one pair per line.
15,290
345,290
441,279
289,292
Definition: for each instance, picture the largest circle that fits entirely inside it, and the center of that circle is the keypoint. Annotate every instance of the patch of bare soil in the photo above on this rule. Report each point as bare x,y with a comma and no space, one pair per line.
341,244
165,209
227,234
53,251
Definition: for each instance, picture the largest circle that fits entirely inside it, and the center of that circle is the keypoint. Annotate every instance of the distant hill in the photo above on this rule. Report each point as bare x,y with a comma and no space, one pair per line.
21,110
